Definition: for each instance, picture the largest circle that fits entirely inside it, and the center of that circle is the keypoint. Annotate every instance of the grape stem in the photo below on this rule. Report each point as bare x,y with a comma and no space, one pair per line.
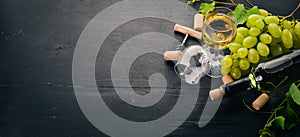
226,3
271,84
293,12
273,115
232,1
281,82
284,17
249,3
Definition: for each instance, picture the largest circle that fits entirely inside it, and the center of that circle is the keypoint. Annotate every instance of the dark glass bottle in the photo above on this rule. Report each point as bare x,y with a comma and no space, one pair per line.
266,77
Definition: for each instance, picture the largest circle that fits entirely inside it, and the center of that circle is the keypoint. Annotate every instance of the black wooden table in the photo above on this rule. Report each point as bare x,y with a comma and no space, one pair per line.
87,68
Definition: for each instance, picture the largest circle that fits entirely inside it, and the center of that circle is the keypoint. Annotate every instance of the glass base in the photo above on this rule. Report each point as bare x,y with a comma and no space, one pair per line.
213,61
197,61
214,70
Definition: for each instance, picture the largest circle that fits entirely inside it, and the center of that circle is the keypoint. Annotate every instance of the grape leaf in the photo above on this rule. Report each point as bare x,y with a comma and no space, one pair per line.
242,13
253,10
205,7
291,117
289,99
295,93
292,104
279,121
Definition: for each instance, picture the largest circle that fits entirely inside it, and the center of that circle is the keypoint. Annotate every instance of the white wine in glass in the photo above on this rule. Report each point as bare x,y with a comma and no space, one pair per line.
219,29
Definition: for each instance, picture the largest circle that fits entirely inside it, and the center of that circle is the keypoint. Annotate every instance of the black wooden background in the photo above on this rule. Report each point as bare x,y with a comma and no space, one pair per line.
37,42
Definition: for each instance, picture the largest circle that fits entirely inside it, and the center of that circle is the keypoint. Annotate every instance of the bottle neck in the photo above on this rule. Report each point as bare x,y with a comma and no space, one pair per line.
238,86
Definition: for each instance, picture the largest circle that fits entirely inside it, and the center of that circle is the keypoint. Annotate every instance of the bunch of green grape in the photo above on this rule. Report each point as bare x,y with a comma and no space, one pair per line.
262,37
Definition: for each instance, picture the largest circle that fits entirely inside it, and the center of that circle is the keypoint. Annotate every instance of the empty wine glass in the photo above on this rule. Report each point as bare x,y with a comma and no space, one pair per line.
189,68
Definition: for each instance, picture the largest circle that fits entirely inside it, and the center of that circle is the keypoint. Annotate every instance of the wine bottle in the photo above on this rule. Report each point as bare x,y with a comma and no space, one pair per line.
266,77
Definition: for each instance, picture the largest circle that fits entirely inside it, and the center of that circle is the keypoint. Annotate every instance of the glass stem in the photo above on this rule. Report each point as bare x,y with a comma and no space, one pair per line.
216,53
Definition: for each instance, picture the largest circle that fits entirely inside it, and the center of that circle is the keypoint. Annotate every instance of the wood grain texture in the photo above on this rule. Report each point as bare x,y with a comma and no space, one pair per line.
37,43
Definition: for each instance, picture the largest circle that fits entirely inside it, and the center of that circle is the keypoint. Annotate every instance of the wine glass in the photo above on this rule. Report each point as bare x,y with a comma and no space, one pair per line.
219,29
189,68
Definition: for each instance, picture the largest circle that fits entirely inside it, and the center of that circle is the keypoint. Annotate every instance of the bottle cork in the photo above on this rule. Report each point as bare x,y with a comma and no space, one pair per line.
216,94
198,21
172,55
187,30
227,79
219,92
260,101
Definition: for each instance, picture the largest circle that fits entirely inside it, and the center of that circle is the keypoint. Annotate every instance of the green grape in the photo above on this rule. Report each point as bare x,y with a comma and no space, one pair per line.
284,49
244,64
263,12
278,40
253,56
235,63
274,30
233,47
249,25
246,72
272,19
297,29
288,46
296,42
265,38
252,19
235,56
287,38
262,49
226,61
235,73
276,50
242,30
293,34
287,24
264,58
263,18
275,41
254,31
242,52
239,38
225,70
259,24
249,41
